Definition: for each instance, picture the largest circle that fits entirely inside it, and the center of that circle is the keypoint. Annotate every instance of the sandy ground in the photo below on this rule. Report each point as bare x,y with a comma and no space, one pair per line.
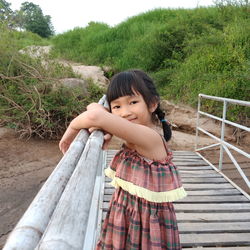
25,166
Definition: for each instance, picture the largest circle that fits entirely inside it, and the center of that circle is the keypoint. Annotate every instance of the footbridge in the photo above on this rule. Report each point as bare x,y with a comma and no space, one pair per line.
68,211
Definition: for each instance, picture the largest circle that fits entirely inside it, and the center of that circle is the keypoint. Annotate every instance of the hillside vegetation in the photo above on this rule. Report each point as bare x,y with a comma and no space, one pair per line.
187,52
32,98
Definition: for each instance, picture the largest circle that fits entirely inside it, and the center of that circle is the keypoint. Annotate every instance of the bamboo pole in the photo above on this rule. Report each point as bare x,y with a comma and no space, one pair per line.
68,224
33,223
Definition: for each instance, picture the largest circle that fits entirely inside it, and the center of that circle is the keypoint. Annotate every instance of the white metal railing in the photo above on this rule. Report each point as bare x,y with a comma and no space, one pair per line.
58,217
224,146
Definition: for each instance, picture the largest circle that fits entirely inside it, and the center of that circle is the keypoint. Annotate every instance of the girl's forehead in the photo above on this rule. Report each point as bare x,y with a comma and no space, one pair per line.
127,97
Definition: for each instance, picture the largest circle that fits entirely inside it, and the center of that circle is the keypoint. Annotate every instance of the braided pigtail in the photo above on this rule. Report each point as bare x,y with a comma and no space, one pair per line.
165,124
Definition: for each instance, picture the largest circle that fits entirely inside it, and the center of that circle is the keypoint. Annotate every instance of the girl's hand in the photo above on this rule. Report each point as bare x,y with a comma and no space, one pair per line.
67,139
107,137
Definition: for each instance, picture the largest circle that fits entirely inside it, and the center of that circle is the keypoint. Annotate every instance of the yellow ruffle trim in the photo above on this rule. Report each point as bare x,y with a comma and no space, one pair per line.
144,193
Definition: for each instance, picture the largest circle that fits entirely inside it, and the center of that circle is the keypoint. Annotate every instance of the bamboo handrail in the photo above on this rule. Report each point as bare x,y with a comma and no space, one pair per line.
68,224
29,230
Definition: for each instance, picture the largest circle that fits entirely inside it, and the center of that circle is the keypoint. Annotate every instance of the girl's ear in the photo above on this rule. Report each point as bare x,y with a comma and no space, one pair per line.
153,107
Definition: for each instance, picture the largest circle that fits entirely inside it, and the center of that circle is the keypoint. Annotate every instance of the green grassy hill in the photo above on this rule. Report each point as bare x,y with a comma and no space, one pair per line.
203,50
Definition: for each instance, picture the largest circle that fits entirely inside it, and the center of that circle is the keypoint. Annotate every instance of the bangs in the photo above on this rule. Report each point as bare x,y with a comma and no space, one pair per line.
132,82
123,84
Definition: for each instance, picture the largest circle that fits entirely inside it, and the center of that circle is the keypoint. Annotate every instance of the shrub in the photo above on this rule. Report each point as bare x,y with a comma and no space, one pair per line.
38,105
32,100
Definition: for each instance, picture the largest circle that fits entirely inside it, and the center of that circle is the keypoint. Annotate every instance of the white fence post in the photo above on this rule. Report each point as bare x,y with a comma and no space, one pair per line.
197,122
222,133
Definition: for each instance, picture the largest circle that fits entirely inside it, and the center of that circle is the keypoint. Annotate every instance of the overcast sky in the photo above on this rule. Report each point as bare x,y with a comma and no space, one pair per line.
69,14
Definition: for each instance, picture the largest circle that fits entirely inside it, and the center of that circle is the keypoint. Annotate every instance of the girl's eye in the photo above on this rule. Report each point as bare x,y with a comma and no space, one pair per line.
116,107
133,102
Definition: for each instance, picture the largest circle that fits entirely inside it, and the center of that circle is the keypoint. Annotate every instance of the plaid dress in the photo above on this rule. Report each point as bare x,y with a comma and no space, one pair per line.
141,214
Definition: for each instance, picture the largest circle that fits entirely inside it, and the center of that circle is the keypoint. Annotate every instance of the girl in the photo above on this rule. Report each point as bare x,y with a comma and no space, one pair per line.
141,214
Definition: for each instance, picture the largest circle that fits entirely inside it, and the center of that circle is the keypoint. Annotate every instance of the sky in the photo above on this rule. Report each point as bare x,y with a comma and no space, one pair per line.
66,15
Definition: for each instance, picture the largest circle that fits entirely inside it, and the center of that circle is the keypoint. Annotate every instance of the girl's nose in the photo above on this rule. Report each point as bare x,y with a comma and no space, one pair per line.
125,112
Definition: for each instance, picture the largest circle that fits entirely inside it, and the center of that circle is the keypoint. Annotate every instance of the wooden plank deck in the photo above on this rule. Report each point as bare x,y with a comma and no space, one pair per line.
214,215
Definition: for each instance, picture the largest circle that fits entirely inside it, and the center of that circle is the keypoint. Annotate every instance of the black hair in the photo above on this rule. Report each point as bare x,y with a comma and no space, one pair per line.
131,81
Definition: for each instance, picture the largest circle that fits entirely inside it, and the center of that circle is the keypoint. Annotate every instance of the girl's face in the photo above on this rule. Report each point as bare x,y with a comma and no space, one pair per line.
133,108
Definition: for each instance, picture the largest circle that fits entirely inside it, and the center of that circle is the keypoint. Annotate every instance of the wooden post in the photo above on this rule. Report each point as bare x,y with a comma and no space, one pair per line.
67,226
31,226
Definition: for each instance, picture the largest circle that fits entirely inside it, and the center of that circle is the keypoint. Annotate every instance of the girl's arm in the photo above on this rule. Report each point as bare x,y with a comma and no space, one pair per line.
71,133
139,135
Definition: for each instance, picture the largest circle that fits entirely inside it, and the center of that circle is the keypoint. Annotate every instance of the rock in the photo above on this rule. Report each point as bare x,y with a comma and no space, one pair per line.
91,72
75,82
36,51
167,106
86,72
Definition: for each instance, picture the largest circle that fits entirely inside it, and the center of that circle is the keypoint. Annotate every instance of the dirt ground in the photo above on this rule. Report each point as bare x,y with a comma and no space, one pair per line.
228,167
25,166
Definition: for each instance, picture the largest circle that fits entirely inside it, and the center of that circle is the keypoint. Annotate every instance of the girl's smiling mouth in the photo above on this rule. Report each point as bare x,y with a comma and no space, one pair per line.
132,119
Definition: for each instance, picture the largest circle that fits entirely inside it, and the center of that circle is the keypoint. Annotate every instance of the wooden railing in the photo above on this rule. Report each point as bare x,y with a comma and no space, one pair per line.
57,218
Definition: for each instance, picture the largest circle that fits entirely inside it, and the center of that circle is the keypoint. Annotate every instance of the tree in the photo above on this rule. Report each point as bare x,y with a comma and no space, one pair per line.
6,12
222,3
12,19
30,17
33,20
